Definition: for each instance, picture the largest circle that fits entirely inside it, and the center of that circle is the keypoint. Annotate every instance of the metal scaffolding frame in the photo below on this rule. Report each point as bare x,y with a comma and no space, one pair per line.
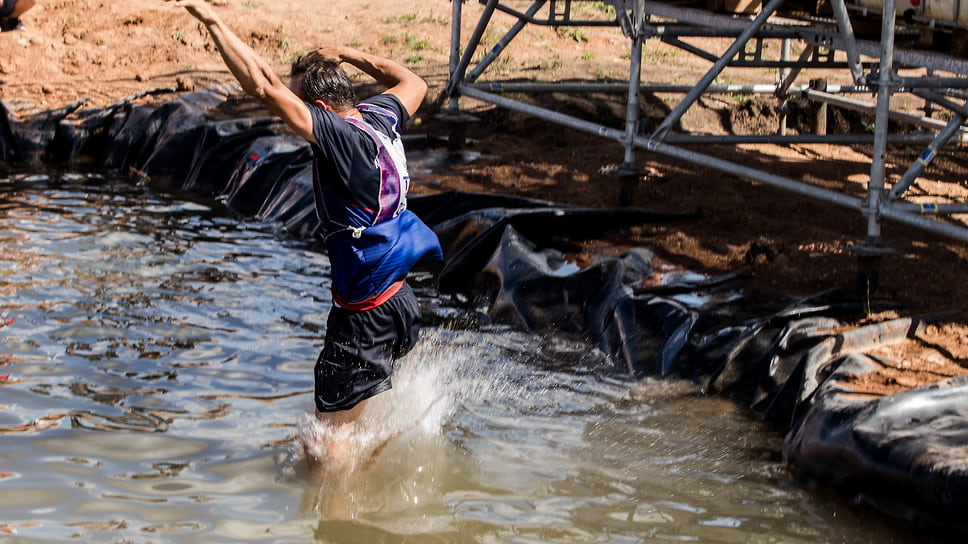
822,39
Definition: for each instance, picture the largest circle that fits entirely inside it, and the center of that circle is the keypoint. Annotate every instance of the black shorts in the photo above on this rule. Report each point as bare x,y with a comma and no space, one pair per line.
358,357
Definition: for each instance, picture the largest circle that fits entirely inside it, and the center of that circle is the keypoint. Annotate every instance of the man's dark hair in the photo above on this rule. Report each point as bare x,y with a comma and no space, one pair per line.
323,79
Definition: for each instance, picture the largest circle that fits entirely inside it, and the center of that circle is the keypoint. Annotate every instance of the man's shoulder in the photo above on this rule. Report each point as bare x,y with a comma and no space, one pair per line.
390,104
328,126
385,100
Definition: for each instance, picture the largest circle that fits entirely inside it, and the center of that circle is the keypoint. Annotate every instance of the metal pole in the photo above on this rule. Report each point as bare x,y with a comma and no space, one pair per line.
756,88
926,82
932,97
503,42
781,77
717,68
875,187
455,20
926,122
928,104
847,33
917,168
899,215
836,139
932,208
632,108
475,39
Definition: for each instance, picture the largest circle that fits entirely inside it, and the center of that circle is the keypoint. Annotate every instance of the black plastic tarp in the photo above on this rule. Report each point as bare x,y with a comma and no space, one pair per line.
787,358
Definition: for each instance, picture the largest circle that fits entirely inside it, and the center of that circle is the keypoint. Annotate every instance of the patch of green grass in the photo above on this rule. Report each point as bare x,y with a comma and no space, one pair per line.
505,63
552,65
414,59
357,43
388,39
588,55
661,55
251,4
419,44
285,55
443,21
180,36
603,7
415,18
406,19
603,74
572,32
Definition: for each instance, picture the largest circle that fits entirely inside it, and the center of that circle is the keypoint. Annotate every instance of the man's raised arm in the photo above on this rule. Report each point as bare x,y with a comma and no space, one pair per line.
253,73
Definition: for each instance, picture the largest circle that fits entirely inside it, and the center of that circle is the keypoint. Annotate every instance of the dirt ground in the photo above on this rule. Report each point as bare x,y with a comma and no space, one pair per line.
105,51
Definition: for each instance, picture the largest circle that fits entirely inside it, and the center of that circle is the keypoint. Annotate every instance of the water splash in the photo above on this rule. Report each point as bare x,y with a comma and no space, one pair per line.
396,456
425,394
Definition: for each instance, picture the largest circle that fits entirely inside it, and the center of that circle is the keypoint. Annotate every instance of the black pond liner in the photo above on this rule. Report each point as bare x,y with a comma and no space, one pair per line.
904,454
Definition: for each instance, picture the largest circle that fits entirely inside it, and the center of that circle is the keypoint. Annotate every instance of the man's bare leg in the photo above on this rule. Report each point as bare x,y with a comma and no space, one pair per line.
332,466
340,425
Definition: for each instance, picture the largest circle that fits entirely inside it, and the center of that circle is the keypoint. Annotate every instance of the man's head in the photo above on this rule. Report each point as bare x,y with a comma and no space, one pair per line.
317,78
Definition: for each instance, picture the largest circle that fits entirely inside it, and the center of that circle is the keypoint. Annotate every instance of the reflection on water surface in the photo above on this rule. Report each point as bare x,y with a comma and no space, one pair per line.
156,364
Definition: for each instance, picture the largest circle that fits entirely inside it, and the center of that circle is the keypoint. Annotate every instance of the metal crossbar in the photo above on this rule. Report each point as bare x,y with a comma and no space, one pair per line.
640,20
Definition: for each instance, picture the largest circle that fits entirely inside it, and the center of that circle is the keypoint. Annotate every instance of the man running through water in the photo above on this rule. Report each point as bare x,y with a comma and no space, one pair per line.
360,184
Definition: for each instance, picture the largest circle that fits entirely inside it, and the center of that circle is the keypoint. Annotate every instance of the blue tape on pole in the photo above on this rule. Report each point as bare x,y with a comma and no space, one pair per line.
927,156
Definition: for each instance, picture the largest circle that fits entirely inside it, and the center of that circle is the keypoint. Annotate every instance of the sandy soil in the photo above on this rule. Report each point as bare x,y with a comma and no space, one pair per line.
104,51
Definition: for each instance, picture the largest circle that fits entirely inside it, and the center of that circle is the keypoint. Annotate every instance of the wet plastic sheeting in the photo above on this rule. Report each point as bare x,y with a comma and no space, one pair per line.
292,204
34,137
273,180
481,232
262,168
780,355
904,453
534,289
8,142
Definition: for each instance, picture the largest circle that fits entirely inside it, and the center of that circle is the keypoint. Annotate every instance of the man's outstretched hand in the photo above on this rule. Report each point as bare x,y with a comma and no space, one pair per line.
200,9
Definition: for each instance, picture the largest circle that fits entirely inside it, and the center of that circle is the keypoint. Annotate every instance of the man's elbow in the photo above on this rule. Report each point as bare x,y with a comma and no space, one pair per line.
262,85
424,87
420,88
262,91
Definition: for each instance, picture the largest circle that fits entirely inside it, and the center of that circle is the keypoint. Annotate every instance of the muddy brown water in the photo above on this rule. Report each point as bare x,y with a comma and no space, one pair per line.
157,353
